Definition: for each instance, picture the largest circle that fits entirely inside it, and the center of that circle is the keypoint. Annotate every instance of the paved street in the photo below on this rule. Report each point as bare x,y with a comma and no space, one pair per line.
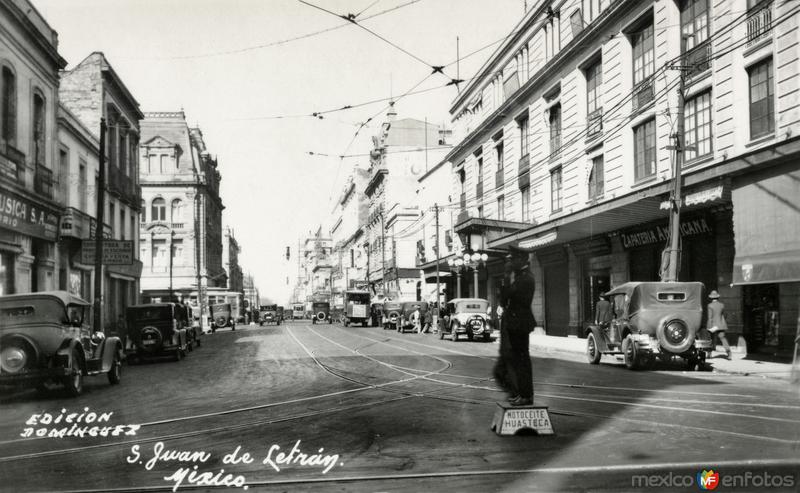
381,411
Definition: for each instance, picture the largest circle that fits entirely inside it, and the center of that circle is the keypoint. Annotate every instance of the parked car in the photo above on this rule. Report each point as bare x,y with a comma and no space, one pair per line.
156,329
391,314
652,320
221,317
356,307
268,314
193,330
46,337
321,312
465,316
409,307
376,313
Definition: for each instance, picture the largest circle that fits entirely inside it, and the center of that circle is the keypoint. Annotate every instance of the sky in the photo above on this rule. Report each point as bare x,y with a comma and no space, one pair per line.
237,70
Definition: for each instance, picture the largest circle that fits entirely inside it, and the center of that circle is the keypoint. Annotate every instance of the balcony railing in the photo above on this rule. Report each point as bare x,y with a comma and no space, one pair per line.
43,181
643,94
499,179
524,164
479,190
12,162
759,23
698,59
594,123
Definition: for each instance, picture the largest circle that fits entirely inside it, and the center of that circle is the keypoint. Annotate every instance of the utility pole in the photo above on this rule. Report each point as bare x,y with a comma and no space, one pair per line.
383,255
171,255
438,290
669,272
98,231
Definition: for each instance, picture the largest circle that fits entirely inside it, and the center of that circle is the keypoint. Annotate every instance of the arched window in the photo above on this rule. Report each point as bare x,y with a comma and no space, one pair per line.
159,210
143,212
8,112
176,211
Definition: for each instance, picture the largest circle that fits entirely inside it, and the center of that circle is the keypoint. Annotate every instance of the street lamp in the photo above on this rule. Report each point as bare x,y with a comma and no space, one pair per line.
474,261
455,266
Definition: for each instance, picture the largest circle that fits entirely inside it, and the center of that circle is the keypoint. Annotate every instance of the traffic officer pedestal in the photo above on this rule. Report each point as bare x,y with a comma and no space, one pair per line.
509,420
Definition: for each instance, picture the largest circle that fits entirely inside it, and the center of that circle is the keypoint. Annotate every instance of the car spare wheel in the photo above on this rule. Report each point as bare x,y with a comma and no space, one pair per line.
321,316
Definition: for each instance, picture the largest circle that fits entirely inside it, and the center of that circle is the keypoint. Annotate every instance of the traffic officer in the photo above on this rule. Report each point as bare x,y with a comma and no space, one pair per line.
513,369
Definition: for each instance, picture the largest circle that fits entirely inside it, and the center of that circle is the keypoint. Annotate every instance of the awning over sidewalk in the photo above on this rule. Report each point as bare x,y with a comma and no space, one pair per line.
766,224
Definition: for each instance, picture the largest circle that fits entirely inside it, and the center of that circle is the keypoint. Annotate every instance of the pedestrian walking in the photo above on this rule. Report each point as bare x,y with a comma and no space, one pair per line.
716,321
415,320
513,371
428,321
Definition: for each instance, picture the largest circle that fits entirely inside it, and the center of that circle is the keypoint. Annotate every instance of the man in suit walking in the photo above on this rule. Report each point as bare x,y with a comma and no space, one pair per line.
716,321
513,369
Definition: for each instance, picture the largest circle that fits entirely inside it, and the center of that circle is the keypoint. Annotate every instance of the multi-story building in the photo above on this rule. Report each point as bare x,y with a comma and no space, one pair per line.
32,183
181,222
90,92
349,217
576,116
403,150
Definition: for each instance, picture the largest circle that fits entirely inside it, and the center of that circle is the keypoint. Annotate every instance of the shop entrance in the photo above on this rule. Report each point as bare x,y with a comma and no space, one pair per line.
761,316
594,284
556,299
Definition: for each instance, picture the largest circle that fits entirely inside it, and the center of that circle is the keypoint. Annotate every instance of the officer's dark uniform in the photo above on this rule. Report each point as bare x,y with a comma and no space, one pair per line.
513,370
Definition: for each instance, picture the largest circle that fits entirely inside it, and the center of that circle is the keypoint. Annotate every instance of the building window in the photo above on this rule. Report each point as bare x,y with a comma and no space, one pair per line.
644,60
63,176
177,252
158,210
479,165
525,200
694,22
111,217
555,130
555,189
143,212
697,126
176,211
82,186
594,104
159,255
9,110
644,150
597,178
122,223
162,164
523,136
501,207
480,211
762,100
498,152
39,147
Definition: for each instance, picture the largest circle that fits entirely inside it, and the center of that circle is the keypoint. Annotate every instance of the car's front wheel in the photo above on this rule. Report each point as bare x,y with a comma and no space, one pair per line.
74,381
115,372
592,351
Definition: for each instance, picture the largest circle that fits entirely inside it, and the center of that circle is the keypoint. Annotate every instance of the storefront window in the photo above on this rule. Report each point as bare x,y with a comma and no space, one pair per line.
6,273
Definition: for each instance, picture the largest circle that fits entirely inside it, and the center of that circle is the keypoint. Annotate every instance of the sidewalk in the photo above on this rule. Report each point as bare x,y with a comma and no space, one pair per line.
739,363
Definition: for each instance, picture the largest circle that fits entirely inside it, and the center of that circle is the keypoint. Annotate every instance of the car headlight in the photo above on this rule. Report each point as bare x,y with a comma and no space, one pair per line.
14,358
676,332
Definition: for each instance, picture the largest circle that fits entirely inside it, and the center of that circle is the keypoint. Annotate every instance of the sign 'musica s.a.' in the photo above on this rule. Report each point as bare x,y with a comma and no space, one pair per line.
25,216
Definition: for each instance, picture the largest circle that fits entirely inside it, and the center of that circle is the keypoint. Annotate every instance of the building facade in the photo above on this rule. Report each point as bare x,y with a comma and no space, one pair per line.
403,150
90,92
32,184
349,256
181,222
570,129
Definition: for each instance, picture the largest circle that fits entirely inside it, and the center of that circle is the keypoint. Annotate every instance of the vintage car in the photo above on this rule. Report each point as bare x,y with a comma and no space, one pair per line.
298,311
268,314
356,307
45,338
652,320
409,307
465,316
193,330
221,317
376,313
391,314
156,329
321,311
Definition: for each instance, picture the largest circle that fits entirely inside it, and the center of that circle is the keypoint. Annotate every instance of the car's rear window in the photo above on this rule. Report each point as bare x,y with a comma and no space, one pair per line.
671,296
